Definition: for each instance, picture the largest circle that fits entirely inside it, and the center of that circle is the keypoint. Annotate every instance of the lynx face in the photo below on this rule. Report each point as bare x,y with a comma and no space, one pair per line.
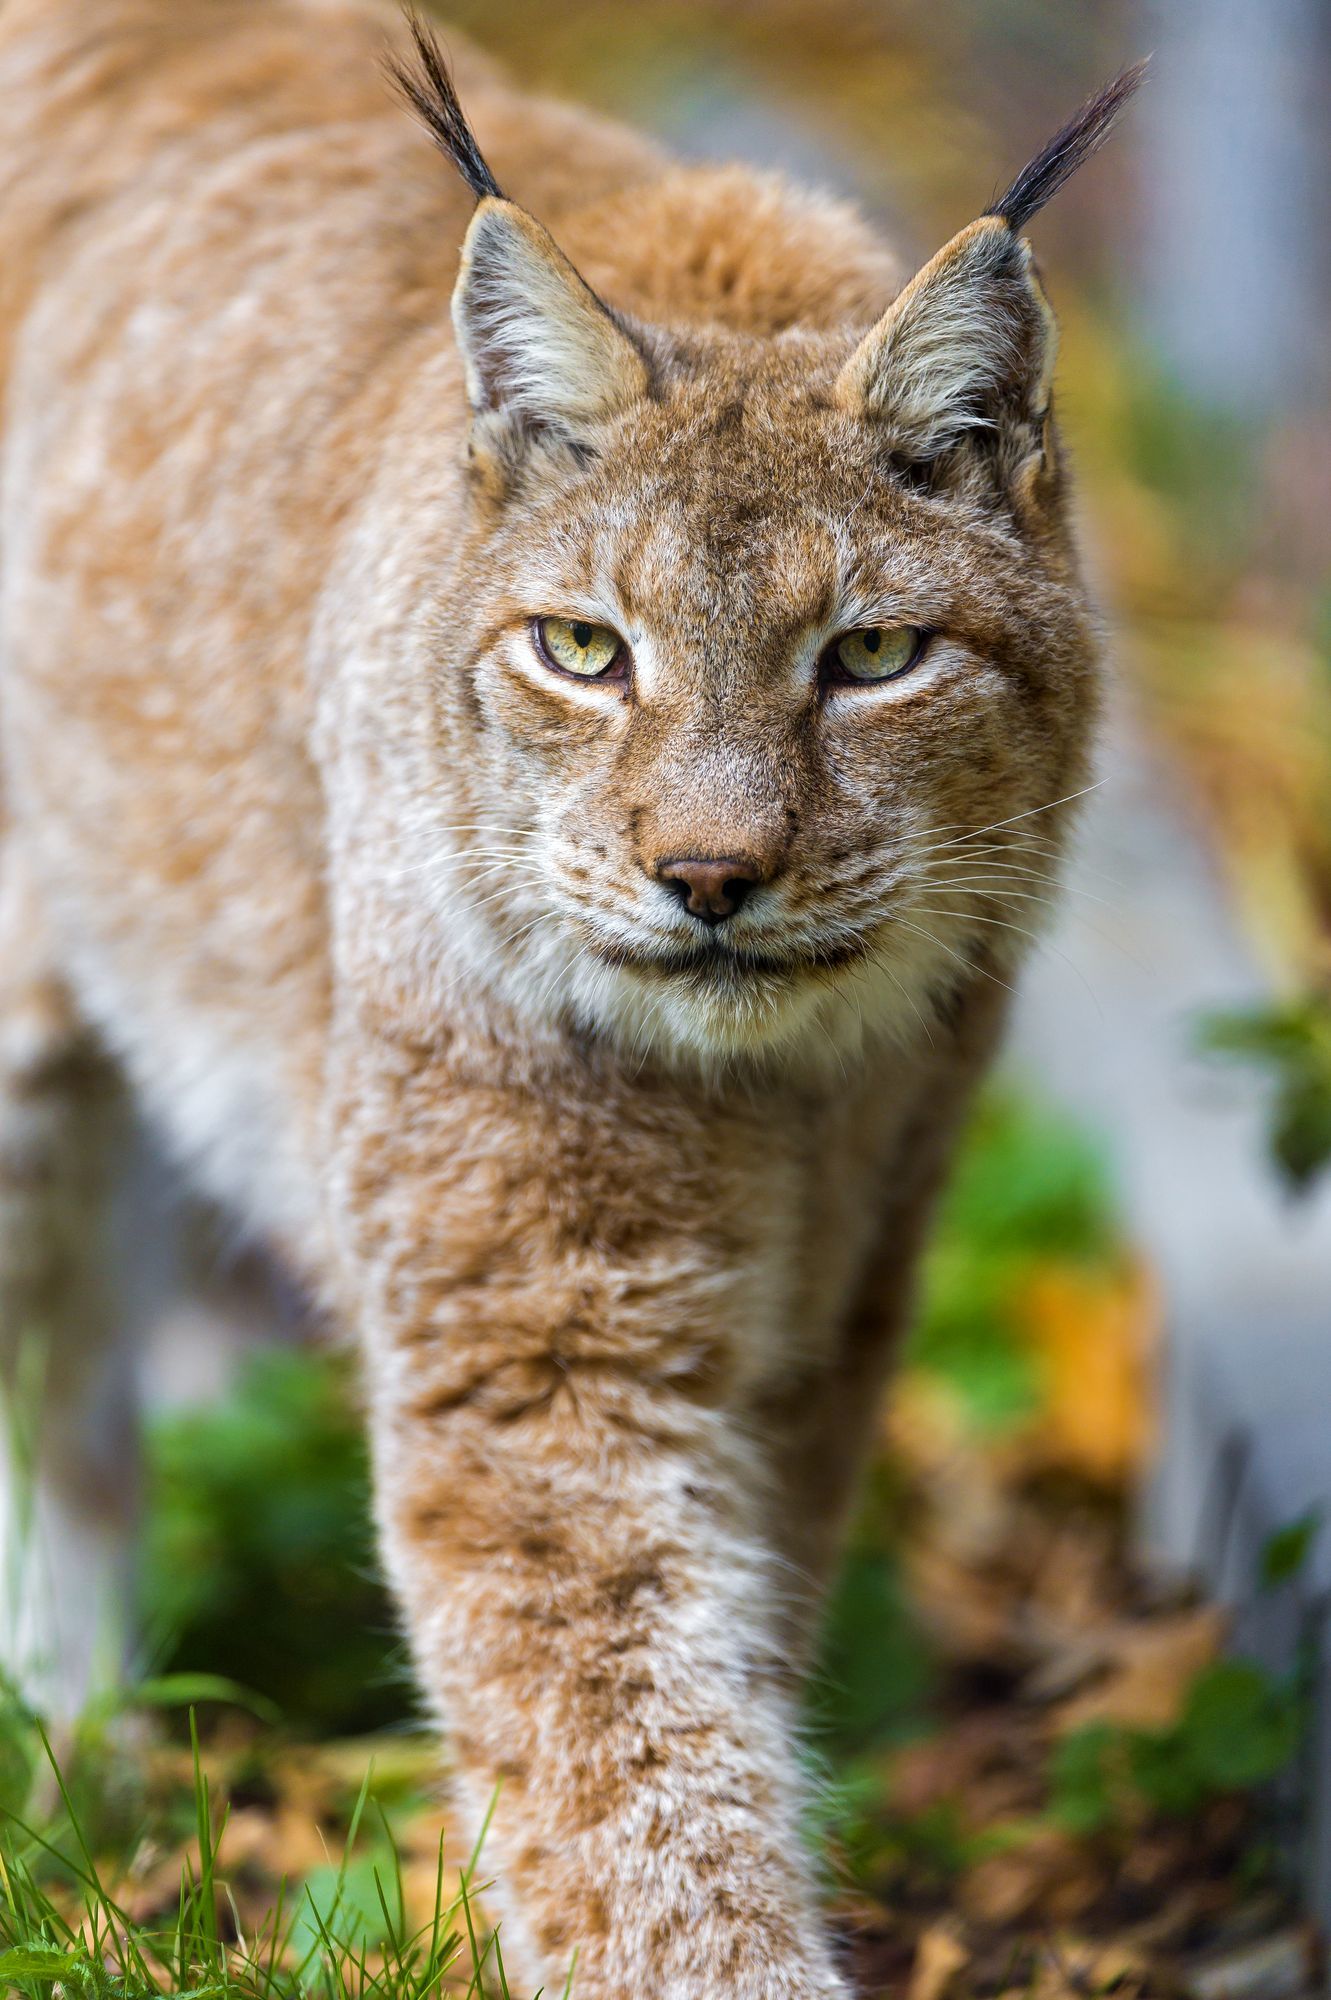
779,671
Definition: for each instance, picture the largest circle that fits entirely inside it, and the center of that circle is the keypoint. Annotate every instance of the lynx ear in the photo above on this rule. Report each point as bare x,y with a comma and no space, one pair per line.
538,346
969,340
536,342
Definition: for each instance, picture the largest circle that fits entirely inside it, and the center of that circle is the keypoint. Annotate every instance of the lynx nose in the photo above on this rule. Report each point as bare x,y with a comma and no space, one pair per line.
710,890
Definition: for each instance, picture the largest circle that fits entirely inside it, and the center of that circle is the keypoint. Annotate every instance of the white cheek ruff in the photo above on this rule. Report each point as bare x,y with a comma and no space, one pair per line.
807,1018
541,959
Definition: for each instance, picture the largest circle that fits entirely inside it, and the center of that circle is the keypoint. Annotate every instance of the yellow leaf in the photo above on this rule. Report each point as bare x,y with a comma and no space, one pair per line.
1093,1335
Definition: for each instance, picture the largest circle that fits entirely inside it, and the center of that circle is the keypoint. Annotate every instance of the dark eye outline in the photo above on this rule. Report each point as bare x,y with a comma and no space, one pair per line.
831,673
617,671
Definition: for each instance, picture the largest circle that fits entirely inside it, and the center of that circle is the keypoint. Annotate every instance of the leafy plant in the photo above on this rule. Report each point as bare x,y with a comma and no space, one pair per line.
1291,1042
1239,1728
1286,1553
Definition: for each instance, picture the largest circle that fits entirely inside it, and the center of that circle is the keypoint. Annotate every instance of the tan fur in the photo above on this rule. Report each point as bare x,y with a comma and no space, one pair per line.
364,901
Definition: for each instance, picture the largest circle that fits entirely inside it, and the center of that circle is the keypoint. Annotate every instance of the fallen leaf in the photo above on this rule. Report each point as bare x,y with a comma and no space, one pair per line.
1149,1669
1020,1880
939,1957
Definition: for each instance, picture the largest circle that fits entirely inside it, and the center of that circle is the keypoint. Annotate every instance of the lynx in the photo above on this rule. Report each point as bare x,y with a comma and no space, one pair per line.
538,705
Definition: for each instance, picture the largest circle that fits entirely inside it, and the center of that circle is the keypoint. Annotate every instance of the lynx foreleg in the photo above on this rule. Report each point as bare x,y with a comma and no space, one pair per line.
576,1523
593,1614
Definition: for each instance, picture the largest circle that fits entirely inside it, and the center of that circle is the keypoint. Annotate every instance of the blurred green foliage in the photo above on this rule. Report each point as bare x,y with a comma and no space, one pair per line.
1203,462
1290,1042
1239,1728
1285,1556
1029,1188
259,1563
875,1671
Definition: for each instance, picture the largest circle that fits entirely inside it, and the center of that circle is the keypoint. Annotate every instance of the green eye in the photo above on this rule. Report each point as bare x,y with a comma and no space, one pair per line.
578,647
877,652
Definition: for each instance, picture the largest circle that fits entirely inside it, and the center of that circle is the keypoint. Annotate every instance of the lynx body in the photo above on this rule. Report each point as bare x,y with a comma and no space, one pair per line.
590,1044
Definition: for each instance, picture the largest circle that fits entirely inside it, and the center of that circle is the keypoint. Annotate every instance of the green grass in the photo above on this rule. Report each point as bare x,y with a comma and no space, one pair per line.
340,1935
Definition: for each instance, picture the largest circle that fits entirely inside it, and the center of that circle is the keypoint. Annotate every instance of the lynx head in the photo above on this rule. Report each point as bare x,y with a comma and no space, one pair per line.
777,662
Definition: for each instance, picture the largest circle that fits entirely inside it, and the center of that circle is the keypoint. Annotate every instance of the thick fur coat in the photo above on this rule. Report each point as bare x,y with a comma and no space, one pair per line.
392,926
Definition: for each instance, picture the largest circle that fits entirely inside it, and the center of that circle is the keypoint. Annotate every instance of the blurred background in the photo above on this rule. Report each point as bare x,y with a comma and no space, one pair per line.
1073,1681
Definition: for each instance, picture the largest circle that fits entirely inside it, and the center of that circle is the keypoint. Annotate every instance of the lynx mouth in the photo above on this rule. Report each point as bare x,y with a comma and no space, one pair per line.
718,966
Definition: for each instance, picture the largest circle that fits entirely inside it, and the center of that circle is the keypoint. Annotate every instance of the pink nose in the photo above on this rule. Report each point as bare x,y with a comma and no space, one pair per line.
710,890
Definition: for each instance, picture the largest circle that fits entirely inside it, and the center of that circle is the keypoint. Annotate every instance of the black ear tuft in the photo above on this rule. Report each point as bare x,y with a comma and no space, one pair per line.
428,88
1067,150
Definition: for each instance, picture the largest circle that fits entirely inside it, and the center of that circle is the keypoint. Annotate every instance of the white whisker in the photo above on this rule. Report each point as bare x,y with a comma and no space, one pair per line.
546,917
998,885
931,938
1036,937
975,833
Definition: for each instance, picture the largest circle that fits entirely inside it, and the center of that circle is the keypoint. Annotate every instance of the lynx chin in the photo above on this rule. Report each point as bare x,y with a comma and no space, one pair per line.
543,691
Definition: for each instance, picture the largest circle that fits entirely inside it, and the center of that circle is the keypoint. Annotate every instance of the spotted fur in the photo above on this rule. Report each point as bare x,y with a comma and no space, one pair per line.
369,907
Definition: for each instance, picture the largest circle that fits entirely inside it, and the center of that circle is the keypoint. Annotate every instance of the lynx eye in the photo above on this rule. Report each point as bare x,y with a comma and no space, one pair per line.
576,646
876,652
